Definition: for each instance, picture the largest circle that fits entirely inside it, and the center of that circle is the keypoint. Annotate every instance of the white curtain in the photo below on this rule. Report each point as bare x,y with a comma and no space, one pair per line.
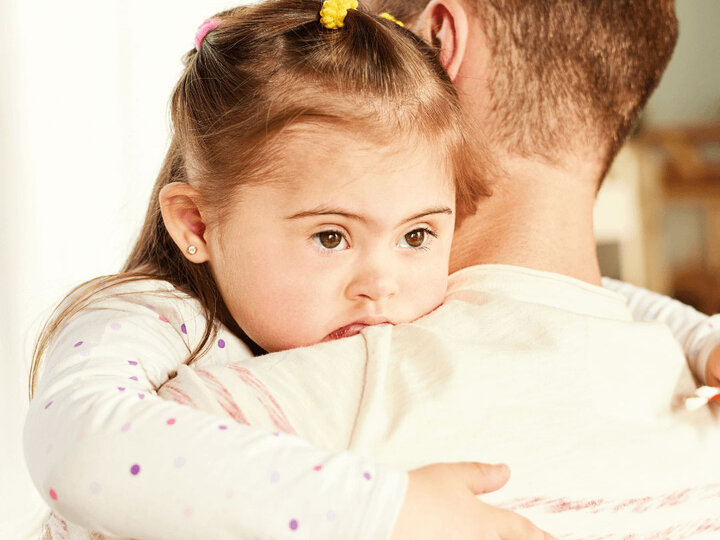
84,90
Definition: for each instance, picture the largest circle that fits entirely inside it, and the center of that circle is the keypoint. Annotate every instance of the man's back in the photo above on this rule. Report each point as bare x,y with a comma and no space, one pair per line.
543,372
552,377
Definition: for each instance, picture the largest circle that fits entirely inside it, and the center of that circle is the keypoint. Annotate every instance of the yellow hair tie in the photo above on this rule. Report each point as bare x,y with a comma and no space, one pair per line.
333,12
391,18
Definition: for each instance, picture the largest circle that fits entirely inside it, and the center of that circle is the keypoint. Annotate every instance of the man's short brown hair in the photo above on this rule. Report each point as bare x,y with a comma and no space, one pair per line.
566,73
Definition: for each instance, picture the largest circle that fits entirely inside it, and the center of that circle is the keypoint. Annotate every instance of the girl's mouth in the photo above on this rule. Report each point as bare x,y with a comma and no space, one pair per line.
350,330
346,331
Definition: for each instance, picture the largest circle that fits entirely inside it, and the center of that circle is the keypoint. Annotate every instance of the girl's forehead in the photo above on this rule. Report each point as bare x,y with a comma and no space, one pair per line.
376,199
323,172
379,188
373,175
311,160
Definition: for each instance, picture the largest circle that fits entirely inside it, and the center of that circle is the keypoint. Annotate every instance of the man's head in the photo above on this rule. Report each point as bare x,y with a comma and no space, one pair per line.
561,75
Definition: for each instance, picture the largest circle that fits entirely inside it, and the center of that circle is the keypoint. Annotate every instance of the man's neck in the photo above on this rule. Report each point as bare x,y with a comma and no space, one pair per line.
539,216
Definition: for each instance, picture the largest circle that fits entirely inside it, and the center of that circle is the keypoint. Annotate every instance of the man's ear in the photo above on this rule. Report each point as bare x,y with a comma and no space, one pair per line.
444,24
181,214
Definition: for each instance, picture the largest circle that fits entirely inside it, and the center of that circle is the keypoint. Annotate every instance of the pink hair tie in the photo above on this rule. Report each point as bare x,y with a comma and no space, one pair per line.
208,26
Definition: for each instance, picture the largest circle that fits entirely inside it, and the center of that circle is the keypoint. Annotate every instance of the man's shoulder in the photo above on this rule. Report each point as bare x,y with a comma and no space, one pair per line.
535,290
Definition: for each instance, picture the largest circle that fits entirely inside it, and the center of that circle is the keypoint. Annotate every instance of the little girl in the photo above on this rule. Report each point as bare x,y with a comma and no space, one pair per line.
317,169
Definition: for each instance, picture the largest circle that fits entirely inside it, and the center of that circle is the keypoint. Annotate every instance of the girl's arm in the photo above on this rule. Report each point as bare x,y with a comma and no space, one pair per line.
109,455
697,333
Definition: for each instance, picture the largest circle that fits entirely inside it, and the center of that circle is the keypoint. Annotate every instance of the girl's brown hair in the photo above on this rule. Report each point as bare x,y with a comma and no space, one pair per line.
264,68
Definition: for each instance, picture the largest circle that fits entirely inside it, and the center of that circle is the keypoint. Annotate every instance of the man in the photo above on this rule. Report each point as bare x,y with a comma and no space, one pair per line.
554,88
529,362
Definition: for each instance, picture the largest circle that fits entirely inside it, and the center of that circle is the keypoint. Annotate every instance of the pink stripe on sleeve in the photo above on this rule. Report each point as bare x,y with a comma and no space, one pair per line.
178,395
223,395
266,399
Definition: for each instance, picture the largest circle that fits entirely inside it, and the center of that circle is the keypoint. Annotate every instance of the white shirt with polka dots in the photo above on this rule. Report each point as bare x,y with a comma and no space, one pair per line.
109,456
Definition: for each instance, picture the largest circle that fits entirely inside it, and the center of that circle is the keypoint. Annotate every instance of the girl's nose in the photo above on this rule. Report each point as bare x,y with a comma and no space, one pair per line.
372,284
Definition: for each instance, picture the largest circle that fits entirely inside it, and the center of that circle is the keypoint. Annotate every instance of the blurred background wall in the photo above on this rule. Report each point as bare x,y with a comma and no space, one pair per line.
83,128
658,213
690,90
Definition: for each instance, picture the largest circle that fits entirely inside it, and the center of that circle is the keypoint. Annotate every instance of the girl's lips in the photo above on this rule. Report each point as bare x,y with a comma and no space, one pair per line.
349,330
346,331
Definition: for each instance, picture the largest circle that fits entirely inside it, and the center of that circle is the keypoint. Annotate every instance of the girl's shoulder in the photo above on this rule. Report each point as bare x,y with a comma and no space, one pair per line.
143,318
147,302
131,294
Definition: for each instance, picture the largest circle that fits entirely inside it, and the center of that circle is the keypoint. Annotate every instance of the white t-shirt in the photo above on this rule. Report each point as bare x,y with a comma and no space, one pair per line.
109,455
545,373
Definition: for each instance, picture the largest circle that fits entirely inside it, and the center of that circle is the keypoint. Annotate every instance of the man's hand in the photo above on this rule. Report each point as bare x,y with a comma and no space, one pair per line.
712,371
441,503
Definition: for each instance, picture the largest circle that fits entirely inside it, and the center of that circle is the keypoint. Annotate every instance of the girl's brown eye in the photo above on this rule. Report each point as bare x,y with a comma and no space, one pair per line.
415,238
329,239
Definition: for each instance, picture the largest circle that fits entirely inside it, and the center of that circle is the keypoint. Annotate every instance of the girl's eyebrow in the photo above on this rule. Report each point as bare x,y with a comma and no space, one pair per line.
430,212
325,211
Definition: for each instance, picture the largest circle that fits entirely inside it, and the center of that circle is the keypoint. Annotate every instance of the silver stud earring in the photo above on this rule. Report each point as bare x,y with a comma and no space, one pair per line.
192,250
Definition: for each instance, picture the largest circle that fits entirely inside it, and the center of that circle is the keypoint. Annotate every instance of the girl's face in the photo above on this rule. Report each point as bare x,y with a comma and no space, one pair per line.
352,235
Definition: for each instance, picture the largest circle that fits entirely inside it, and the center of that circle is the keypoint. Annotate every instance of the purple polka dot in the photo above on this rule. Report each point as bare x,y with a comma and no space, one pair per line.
78,343
331,515
221,343
133,378
126,427
183,328
121,388
116,326
293,524
276,434
135,469
48,404
710,325
223,426
141,396
179,462
95,488
132,362
275,477
367,476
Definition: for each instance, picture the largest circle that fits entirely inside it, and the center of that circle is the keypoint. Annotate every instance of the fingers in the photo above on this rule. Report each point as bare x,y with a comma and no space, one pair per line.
441,500
712,371
483,477
516,527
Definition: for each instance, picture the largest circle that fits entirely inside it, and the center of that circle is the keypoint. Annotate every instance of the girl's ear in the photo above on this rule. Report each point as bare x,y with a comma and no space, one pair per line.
181,214
444,24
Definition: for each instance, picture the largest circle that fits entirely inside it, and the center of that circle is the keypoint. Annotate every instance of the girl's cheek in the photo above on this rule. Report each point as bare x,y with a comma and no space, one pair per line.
437,290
